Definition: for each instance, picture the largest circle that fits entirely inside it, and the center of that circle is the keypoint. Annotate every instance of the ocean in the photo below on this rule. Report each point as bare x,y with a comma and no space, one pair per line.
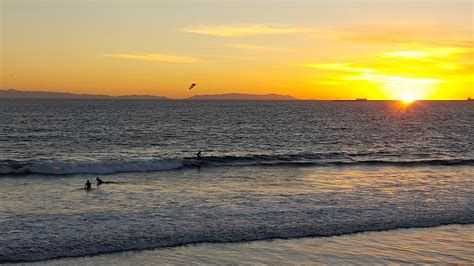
289,171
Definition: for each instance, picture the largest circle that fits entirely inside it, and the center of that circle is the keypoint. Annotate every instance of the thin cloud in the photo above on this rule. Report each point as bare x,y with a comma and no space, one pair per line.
426,34
243,30
154,57
338,67
430,52
255,47
392,34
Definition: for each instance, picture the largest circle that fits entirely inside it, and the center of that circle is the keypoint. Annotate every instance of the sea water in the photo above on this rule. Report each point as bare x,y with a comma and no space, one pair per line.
270,170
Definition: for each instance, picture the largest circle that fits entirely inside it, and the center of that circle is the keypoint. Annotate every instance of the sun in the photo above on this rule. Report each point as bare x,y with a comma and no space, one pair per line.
408,99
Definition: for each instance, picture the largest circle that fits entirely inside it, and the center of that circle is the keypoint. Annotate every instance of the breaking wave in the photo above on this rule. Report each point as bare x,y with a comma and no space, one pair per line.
58,167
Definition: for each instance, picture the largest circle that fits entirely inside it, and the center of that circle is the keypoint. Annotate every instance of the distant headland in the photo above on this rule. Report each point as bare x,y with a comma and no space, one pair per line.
18,94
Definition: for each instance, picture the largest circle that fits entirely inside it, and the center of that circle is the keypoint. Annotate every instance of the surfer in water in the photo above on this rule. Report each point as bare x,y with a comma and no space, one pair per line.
88,185
99,181
198,155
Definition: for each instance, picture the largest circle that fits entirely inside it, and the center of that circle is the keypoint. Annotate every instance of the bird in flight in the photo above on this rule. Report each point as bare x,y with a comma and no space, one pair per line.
192,85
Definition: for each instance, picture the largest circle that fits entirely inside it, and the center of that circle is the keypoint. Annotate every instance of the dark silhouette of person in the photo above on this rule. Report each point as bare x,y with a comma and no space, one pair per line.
88,184
198,155
99,181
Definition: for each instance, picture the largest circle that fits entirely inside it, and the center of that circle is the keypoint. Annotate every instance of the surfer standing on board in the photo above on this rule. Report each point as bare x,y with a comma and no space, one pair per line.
198,155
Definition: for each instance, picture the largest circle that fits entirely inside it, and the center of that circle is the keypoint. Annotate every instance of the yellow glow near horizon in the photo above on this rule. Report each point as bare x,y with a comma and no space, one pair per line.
396,87
403,74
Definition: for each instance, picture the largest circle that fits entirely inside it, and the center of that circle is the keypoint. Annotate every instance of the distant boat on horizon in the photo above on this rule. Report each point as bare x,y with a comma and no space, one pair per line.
356,100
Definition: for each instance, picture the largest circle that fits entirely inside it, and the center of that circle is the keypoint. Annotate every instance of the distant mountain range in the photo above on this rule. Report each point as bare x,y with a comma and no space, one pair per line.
17,94
242,96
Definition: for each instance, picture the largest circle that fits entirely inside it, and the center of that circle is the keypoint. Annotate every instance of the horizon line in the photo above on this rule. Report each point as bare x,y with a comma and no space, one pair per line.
117,97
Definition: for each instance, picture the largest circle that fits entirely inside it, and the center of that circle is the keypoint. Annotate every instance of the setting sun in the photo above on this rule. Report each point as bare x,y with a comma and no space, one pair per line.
408,99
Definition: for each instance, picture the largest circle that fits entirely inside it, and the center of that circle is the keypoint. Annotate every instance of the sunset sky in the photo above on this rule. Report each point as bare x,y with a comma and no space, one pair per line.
320,49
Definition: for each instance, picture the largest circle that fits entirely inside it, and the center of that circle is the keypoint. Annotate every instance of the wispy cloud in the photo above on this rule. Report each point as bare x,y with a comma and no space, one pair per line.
339,67
243,30
429,52
154,57
255,47
425,34
385,33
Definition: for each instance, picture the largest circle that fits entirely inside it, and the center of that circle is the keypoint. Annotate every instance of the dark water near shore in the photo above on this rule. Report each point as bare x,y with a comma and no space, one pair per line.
270,170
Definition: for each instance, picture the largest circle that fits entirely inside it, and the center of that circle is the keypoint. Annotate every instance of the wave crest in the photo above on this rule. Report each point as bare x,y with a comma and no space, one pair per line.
85,167
57,167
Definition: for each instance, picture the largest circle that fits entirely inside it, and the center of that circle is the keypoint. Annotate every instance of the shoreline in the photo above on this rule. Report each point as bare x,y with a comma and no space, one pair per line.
423,240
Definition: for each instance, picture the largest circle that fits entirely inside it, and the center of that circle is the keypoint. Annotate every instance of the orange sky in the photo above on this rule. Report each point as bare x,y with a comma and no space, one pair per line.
341,49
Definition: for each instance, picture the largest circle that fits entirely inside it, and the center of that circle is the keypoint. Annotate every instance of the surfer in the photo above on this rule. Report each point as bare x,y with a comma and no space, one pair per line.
198,155
87,185
99,181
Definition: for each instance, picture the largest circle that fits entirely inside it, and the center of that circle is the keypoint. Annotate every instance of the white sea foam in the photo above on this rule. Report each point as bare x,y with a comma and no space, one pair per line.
91,167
